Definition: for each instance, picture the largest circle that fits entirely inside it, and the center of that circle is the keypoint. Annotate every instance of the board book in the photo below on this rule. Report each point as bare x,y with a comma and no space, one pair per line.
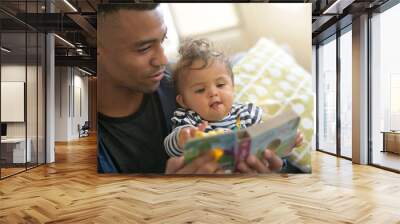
277,134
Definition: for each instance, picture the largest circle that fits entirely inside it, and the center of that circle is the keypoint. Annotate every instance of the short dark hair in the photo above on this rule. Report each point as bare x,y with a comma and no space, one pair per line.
104,9
198,49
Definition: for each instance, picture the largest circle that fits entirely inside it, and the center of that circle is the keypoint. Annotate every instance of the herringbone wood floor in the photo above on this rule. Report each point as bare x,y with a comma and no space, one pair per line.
70,191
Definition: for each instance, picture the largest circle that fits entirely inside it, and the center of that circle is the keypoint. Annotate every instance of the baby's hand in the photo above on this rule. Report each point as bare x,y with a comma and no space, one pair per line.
185,134
190,132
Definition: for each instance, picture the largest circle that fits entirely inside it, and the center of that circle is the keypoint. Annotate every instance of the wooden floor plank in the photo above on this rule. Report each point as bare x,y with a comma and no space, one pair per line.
71,191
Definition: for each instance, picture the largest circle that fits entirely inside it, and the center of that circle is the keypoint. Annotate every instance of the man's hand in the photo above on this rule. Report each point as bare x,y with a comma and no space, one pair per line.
205,164
269,163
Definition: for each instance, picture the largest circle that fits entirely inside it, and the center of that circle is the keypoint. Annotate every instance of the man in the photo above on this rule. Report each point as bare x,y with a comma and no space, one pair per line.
135,100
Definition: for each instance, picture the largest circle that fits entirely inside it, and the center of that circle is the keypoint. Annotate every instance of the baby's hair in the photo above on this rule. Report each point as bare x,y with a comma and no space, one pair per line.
198,49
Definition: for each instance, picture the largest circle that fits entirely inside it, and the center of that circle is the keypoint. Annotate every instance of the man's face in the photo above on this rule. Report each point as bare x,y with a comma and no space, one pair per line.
130,52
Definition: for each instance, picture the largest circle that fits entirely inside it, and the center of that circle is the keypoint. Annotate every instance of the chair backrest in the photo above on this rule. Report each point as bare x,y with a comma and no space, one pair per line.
86,125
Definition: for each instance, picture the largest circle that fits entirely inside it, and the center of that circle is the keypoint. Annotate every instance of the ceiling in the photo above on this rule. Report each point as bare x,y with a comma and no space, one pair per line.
332,15
76,23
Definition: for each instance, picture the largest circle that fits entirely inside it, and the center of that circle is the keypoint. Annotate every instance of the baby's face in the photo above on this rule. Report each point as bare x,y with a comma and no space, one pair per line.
208,92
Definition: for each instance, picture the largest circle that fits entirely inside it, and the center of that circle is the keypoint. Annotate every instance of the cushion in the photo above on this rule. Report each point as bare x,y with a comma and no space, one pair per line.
270,77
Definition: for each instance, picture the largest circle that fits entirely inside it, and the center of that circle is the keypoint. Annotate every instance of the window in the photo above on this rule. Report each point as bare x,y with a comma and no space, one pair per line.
385,85
394,102
346,94
327,96
22,65
195,19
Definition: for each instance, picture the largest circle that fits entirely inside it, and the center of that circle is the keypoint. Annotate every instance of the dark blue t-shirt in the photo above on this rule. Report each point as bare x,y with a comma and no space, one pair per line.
134,144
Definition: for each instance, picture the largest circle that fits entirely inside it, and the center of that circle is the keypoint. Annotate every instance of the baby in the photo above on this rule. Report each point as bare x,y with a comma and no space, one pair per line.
203,80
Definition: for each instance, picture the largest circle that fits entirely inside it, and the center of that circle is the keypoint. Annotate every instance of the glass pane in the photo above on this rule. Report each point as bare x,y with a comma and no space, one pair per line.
314,86
14,152
346,94
327,97
31,100
385,89
394,101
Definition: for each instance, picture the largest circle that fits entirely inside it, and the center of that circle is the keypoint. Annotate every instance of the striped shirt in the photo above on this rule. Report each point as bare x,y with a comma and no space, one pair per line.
248,115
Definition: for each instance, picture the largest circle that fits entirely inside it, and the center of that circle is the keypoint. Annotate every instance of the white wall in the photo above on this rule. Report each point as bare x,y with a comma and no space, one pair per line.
287,23
82,83
69,85
11,73
62,80
80,102
15,72
33,127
